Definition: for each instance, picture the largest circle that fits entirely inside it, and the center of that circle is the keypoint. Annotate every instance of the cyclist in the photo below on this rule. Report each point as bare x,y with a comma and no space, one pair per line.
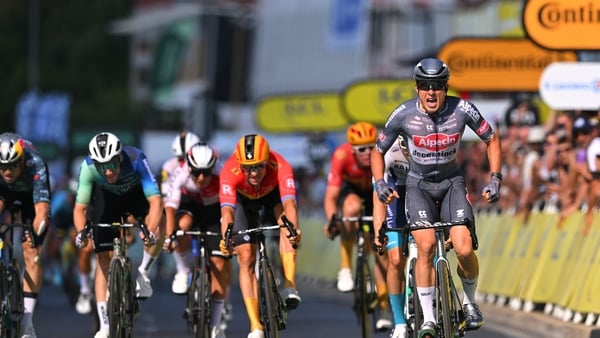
432,126
256,178
192,200
24,180
179,147
115,180
396,167
350,190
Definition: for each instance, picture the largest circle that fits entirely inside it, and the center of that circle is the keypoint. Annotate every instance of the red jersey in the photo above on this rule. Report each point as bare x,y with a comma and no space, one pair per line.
279,174
345,168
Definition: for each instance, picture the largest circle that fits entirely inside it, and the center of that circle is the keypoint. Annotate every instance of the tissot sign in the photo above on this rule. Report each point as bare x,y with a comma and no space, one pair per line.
571,85
563,24
504,64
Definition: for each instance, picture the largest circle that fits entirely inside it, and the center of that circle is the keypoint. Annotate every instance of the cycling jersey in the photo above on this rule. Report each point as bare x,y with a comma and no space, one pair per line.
433,140
183,184
34,179
279,176
396,163
135,171
345,169
167,172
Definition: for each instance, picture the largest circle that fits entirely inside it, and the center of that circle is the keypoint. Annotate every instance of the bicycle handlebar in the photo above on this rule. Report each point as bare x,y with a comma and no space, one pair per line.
286,224
357,219
148,240
27,227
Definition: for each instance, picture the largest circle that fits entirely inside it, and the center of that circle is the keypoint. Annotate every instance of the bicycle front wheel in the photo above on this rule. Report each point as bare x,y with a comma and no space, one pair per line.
121,299
414,311
8,326
446,306
362,302
268,301
198,305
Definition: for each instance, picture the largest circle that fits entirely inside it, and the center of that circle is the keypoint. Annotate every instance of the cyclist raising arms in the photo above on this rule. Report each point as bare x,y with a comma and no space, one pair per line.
432,126
192,200
396,167
256,178
349,188
24,179
116,180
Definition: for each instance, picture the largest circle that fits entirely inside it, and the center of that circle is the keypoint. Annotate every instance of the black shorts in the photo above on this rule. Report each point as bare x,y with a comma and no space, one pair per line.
205,218
107,207
23,201
249,212
365,195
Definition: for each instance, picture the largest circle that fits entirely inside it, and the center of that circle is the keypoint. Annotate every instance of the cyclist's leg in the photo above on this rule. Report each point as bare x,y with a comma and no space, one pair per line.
245,248
468,265
84,261
351,205
181,253
421,206
32,276
396,263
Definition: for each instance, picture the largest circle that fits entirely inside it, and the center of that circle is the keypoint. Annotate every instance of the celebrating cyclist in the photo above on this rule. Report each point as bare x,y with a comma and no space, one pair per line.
396,167
192,201
115,180
350,190
256,178
24,180
432,126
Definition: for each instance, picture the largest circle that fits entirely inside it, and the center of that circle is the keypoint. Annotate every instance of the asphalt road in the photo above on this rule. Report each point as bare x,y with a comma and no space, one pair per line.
324,312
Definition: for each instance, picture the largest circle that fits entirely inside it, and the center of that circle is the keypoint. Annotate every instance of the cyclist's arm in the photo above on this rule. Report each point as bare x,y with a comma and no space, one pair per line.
330,201
377,164
227,213
154,216
290,210
494,153
79,216
42,215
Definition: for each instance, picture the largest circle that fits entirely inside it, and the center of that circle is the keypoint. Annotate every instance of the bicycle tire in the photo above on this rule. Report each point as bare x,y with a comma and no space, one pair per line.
120,307
7,326
268,301
415,313
444,299
201,299
362,302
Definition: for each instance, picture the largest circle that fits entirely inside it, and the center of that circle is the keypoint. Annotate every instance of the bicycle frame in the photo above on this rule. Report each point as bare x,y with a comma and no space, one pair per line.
198,309
450,316
123,307
273,310
365,298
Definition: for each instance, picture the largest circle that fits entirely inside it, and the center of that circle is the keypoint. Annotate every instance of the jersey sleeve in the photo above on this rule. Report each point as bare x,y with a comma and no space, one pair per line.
85,184
391,130
41,183
476,121
228,179
172,195
285,179
336,169
147,179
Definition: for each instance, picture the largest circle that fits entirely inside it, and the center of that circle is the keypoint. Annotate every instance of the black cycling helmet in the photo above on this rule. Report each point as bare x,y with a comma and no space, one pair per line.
431,69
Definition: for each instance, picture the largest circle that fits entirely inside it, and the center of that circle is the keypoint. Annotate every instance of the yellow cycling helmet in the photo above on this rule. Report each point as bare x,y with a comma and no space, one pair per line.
361,133
252,149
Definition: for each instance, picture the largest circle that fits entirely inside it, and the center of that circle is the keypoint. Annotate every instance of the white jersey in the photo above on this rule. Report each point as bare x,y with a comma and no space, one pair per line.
167,171
593,156
182,182
396,163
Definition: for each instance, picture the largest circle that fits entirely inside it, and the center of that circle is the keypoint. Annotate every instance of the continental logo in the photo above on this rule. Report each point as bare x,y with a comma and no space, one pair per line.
503,64
563,25
300,113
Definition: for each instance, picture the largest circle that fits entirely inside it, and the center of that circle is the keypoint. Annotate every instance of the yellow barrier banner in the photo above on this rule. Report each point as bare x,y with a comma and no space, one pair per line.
587,294
574,262
553,260
488,228
508,281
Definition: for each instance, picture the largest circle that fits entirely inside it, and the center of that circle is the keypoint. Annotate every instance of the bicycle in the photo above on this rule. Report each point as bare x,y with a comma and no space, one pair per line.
122,304
11,287
272,309
198,308
448,308
365,298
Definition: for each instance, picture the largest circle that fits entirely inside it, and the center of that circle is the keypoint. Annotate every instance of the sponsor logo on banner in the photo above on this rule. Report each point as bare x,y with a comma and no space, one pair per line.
563,25
571,85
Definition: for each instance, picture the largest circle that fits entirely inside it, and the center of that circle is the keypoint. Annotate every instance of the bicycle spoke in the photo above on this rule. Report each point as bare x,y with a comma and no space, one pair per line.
444,300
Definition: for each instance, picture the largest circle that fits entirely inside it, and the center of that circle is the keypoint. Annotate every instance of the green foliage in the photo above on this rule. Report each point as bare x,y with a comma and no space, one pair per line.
77,55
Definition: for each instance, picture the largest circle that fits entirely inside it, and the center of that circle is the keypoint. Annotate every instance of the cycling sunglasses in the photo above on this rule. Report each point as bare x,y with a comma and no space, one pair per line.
363,149
9,166
254,167
431,85
203,172
112,165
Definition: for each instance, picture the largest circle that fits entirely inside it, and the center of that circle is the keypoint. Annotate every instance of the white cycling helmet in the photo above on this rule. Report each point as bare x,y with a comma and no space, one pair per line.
182,143
104,147
201,156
